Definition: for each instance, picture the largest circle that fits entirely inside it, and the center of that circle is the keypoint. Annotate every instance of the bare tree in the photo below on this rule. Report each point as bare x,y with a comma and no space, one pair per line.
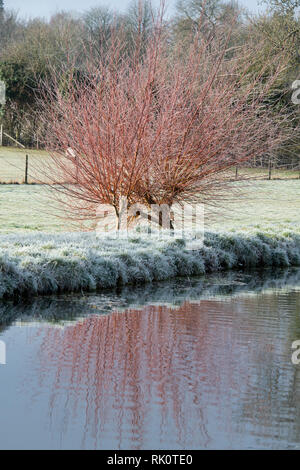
163,128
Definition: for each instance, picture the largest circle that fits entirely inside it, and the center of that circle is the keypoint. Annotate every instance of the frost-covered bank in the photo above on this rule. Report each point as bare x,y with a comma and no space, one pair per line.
47,264
69,308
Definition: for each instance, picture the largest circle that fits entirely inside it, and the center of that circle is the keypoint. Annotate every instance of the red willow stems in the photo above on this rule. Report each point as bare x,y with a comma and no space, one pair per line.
159,124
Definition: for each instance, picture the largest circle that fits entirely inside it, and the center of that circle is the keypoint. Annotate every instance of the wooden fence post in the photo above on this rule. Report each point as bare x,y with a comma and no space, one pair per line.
270,169
236,172
1,135
26,170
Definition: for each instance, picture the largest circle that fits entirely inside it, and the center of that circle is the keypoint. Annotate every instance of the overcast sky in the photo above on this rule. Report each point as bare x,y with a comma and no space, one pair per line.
30,8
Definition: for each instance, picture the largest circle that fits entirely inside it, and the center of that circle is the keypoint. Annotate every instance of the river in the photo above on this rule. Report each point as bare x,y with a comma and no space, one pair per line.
192,364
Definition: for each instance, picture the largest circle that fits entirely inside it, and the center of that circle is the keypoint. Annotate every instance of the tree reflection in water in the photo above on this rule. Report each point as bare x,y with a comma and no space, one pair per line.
208,374
199,364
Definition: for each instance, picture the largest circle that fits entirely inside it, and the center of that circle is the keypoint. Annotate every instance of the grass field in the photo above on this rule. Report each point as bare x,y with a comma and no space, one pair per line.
263,204
263,173
12,167
12,164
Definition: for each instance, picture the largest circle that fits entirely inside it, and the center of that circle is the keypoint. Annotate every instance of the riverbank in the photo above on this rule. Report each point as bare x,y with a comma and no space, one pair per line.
67,309
42,264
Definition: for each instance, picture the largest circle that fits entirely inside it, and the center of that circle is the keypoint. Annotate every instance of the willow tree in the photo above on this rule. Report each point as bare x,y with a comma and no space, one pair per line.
159,127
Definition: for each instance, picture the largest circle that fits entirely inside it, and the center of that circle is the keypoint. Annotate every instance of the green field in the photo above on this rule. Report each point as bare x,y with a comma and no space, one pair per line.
12,164
261,204
22,208
12,167
263,173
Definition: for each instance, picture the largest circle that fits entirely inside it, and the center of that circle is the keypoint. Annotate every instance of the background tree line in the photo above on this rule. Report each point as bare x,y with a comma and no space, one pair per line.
31,50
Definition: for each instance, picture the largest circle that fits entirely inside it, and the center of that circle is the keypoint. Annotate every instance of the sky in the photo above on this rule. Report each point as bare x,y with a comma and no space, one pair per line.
31,8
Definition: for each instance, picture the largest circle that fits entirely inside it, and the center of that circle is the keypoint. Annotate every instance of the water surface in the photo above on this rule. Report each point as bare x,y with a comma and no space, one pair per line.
185,365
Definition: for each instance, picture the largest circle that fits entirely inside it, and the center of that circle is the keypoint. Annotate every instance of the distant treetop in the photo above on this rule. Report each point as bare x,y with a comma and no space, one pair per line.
283,6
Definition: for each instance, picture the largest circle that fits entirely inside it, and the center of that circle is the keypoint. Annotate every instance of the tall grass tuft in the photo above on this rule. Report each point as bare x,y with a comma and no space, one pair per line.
42,264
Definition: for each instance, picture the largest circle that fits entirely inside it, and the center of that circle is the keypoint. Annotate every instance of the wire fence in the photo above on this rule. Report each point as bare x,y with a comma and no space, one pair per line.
270,171
17,167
